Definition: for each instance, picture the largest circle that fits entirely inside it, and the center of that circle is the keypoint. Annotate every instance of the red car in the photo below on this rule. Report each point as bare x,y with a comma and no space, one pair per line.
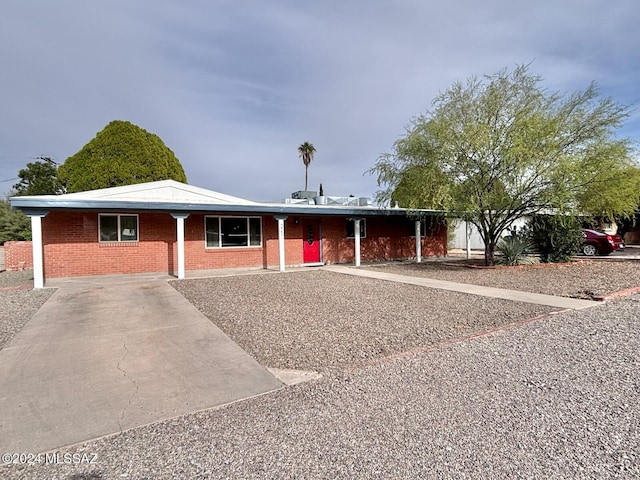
599,243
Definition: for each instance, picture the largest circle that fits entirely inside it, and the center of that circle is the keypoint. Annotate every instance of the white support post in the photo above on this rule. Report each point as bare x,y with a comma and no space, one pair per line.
180,218
36,246
356,228
418,243
468,238
281,258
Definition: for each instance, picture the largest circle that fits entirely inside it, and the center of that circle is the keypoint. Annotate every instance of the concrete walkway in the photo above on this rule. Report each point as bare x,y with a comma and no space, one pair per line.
113,353
515,295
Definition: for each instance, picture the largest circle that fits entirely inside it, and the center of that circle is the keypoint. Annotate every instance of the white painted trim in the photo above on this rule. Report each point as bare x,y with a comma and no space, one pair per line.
36,247
356,228
418,243
281,257
180,240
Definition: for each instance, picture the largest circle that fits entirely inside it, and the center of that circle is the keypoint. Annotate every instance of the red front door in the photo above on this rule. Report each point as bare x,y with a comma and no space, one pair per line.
311,241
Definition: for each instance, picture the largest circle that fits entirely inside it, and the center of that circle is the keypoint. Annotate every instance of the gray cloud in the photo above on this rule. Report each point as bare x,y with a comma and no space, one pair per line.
234,87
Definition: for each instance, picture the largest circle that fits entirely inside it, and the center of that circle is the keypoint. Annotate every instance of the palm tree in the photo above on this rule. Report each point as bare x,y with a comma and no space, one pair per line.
306,151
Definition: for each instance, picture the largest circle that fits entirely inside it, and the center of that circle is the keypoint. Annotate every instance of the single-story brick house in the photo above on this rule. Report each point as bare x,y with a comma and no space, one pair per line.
171,227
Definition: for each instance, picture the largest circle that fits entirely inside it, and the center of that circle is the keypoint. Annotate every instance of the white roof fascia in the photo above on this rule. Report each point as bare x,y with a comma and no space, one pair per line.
172,195
160,191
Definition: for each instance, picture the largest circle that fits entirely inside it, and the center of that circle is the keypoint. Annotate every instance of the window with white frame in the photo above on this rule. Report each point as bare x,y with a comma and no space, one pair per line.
428,225
411,227
221,232
351,229
117,228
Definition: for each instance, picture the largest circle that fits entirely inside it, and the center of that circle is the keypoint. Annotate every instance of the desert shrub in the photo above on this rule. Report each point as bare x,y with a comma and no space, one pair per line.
555,237
515,250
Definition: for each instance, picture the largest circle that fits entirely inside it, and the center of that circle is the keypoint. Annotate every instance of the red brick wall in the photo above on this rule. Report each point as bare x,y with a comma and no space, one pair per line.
387,238
197,257
71,246
17,255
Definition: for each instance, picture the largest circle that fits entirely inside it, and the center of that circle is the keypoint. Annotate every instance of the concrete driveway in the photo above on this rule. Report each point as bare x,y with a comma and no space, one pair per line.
111,354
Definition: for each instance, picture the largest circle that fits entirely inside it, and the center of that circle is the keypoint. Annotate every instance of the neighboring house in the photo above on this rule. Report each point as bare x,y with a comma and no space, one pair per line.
632,237
466,234
171,227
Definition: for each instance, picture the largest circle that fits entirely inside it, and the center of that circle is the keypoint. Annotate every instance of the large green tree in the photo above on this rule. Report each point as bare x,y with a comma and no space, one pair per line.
39,178
496,148
611,194
121,154
14,225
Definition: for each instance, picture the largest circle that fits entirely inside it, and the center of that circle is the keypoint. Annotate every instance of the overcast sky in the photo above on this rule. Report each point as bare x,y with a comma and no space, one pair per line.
234,87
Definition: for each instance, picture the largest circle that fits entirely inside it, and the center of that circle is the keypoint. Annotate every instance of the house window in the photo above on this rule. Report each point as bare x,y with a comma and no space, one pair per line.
233,232
424,228
118,228
351,231
428,226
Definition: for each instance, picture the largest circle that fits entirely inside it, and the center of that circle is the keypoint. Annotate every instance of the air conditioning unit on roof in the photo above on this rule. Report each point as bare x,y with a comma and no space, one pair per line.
304,194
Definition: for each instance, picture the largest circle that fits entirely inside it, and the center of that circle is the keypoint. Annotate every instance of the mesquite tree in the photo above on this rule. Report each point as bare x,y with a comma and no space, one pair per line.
496,148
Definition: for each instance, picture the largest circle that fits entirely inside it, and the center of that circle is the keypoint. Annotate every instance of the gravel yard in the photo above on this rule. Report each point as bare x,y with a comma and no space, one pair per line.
16,279
583,279
18,306
315,319
557,398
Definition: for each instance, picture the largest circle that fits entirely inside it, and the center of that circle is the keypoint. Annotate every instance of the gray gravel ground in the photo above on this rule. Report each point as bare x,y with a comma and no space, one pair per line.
18,306
556,398
317,319
583,279
16,279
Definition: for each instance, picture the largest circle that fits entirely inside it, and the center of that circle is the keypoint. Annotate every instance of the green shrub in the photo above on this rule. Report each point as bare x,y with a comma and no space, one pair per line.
14,225
556,237
514,250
